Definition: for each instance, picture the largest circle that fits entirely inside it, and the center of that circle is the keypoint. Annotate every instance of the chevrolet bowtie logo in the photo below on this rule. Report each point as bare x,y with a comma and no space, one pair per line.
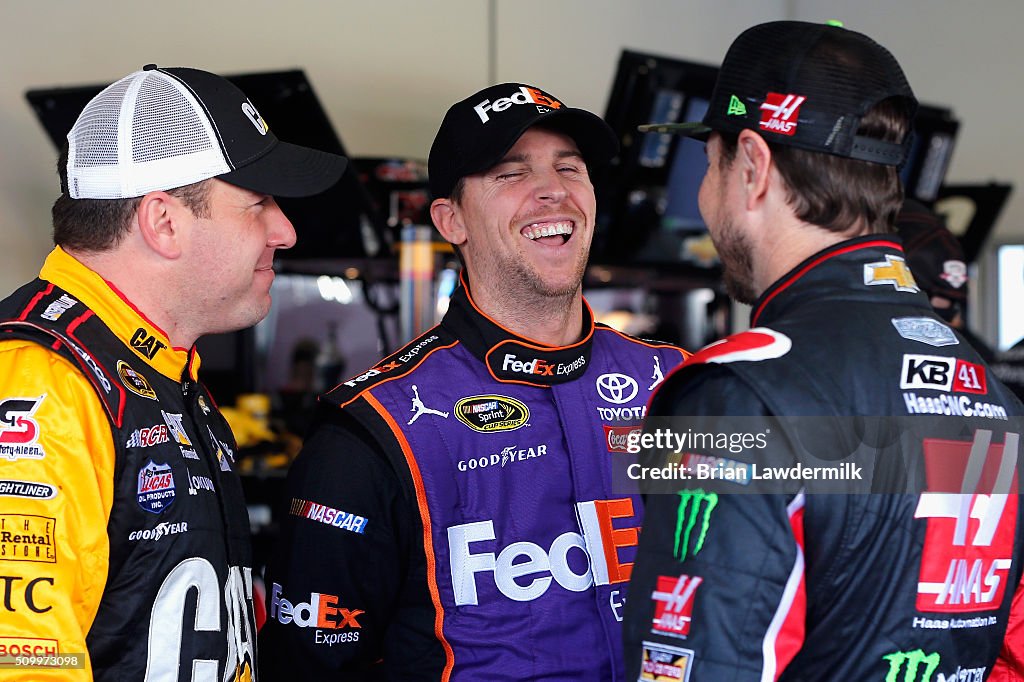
893,271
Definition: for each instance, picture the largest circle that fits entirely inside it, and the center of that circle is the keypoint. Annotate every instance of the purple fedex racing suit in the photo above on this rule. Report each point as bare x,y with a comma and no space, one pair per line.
456,517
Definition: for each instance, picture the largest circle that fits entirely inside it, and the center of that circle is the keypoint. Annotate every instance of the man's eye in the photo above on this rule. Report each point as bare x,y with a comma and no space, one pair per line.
510,175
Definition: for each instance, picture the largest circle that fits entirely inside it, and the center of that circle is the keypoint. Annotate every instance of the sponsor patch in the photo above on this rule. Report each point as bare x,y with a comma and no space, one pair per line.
954,272
197,482
632,414
616,388
942,374
25,537
28,489
58,308
134,382
968,546
329,516
491,413
223,450
892,271
147,344
917,666
780,113
664,663
523,95
479,561
160,530
19,432
673,604
321,612
508,455
925,330
22,592
693,520
155,491
617,437
28,646
177,429
91,363
952,405
148,436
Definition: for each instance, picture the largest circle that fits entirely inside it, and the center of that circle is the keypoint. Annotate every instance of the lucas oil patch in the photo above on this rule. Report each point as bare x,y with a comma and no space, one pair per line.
156,487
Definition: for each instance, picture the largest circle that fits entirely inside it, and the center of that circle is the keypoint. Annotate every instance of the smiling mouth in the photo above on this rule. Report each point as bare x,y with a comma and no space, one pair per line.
549,232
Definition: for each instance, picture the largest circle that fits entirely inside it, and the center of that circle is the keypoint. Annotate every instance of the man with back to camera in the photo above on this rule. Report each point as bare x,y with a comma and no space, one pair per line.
805,130
124,536
936,258
453,516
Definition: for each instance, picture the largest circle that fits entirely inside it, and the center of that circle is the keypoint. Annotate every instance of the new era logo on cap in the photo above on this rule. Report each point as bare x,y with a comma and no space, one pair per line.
779,113
524,95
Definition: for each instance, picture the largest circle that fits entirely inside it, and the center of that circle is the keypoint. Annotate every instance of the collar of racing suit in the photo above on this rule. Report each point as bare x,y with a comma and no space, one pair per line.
128,323
511,358
870,268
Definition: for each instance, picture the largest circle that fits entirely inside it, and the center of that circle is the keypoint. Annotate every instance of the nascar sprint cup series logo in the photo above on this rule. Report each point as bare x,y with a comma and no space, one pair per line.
489,413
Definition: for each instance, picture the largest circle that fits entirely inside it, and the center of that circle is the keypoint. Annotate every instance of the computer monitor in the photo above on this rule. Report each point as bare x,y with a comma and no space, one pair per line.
647,200
340,223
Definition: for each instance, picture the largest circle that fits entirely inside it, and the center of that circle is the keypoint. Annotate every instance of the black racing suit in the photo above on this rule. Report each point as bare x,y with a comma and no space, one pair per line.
921,585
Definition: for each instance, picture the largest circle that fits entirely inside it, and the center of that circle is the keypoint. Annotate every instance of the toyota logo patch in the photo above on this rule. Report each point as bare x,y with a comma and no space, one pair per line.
616,388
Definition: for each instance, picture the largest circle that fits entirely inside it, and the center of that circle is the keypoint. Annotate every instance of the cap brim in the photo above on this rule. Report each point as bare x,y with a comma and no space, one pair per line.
289,170
596,140
695,129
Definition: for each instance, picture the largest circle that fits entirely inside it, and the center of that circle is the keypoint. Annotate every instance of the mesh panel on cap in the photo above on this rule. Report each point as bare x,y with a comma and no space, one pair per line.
93,140
165,123
145,132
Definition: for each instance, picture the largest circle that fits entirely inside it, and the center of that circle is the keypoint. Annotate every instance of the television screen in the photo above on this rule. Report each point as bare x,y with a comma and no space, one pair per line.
339,223
647,200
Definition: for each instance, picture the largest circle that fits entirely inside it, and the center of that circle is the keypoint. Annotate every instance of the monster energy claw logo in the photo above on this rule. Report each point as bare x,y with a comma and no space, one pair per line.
913,660
694,505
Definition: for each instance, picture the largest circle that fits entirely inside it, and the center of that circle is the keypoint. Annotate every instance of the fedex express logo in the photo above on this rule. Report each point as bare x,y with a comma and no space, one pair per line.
968,546
779,113
321,612
523,571
942,374
540,366
525,95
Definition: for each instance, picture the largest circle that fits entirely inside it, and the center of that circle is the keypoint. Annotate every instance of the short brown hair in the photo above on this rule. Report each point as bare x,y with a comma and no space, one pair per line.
833,192
101,224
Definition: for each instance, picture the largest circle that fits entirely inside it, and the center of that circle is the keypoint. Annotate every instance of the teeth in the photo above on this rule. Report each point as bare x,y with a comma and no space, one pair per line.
537,230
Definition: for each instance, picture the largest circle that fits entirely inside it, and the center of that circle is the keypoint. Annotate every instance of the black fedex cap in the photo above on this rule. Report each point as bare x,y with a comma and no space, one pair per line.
477,132
158,129
804,85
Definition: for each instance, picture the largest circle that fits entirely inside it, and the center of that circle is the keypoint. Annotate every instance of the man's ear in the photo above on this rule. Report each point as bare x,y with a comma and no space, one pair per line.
755,159
160,220
448,219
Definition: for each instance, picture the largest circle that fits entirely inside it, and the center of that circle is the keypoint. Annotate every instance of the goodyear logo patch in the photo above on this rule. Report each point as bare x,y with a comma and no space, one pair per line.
26,537
134,382
492,413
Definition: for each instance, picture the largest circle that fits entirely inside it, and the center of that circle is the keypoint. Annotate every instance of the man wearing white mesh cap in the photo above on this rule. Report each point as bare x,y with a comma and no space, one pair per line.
124,539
